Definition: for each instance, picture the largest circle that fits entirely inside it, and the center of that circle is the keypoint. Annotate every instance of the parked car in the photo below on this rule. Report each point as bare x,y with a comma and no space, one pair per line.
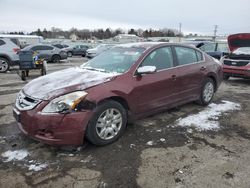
77,50
237,63
61,46
47,52
97,50
214,49
127,82
8,54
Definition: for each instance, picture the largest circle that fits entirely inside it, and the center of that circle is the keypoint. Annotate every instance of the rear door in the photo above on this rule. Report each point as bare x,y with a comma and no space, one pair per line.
155,90
190,74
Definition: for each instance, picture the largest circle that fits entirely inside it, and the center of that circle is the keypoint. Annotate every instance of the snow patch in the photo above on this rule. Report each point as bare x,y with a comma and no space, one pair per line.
208,118
163,140
37,167
150,143
17,155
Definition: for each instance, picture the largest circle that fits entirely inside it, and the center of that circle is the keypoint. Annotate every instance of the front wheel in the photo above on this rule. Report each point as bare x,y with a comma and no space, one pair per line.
207,92
69,54
107,124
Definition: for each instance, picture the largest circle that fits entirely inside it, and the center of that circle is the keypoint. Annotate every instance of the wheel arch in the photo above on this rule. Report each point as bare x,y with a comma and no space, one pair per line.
6,57
118,99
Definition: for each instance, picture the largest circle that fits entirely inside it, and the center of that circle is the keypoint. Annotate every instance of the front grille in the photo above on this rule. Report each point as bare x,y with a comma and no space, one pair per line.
24,102
237,63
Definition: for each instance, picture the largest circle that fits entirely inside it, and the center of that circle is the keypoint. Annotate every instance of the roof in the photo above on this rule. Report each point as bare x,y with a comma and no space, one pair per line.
146,45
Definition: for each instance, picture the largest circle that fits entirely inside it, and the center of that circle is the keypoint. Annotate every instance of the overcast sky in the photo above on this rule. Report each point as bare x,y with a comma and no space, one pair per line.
197,16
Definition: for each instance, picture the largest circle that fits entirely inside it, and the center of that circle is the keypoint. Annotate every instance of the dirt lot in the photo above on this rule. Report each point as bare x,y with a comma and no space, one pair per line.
154,152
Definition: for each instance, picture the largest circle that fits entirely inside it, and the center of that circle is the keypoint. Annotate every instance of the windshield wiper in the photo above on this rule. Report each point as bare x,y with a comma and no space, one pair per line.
94,69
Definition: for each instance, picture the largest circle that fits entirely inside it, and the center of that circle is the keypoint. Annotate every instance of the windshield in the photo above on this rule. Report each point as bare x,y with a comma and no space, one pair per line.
115,60
242,50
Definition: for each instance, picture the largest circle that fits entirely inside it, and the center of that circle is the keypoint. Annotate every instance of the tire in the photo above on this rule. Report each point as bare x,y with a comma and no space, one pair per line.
23,75
56,59
207,92
69,54
4,65
225,77
27,73
101,129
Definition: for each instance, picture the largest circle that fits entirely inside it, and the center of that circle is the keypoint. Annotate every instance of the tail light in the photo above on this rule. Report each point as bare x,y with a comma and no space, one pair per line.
16,50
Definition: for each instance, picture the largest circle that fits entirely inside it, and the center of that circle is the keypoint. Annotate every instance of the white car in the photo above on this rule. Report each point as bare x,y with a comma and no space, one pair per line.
97,50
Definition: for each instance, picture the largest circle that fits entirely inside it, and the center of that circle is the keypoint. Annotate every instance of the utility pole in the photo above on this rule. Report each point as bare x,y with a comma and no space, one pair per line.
215,32
180,26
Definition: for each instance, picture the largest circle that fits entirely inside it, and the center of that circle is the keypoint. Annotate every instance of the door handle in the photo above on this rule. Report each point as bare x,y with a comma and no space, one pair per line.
203,68
173,77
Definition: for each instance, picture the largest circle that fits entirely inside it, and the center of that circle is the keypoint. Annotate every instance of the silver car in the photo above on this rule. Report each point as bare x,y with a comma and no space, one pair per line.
8,54
47,52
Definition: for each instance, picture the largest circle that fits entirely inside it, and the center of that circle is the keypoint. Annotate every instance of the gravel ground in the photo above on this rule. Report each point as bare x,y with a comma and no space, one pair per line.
153,152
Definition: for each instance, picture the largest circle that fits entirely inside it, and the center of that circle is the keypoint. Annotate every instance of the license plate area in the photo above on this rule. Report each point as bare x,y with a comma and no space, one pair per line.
16,115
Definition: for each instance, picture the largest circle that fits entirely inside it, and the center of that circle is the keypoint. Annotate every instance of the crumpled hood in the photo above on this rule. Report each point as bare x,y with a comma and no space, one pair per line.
238,40
65,81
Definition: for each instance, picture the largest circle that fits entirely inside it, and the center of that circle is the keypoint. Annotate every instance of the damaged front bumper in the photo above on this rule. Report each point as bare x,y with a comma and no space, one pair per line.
54,128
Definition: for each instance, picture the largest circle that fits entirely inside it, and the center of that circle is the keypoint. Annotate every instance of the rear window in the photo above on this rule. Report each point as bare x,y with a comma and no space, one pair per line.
186,55
2,42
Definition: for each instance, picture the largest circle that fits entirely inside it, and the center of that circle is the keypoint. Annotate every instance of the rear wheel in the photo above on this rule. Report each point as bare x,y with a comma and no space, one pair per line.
207,92
56,59
4,65
107,124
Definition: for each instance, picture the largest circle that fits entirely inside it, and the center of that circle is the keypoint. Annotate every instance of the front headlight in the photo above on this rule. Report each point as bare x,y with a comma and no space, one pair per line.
65,102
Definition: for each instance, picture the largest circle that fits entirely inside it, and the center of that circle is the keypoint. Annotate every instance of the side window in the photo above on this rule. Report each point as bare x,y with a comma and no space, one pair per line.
208,47
199,56
185,55
161,58
35,48
2,42
47,47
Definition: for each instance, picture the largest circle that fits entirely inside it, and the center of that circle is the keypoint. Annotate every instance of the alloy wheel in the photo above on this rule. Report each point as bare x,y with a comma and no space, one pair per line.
208,92
109,124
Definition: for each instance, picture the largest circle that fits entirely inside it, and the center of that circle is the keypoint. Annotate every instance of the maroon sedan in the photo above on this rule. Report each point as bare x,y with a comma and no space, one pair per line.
128,82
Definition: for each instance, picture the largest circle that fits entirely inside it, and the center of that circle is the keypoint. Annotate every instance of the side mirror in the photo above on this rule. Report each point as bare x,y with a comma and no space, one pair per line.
146,70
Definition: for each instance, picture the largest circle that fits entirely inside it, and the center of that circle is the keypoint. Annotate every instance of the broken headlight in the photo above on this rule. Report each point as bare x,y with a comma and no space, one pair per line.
65,103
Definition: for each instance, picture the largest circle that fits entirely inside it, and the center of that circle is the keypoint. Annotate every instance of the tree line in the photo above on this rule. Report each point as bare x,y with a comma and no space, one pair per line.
85,34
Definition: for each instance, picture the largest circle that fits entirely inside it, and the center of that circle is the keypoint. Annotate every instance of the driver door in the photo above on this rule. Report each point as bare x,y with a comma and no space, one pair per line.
156,90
